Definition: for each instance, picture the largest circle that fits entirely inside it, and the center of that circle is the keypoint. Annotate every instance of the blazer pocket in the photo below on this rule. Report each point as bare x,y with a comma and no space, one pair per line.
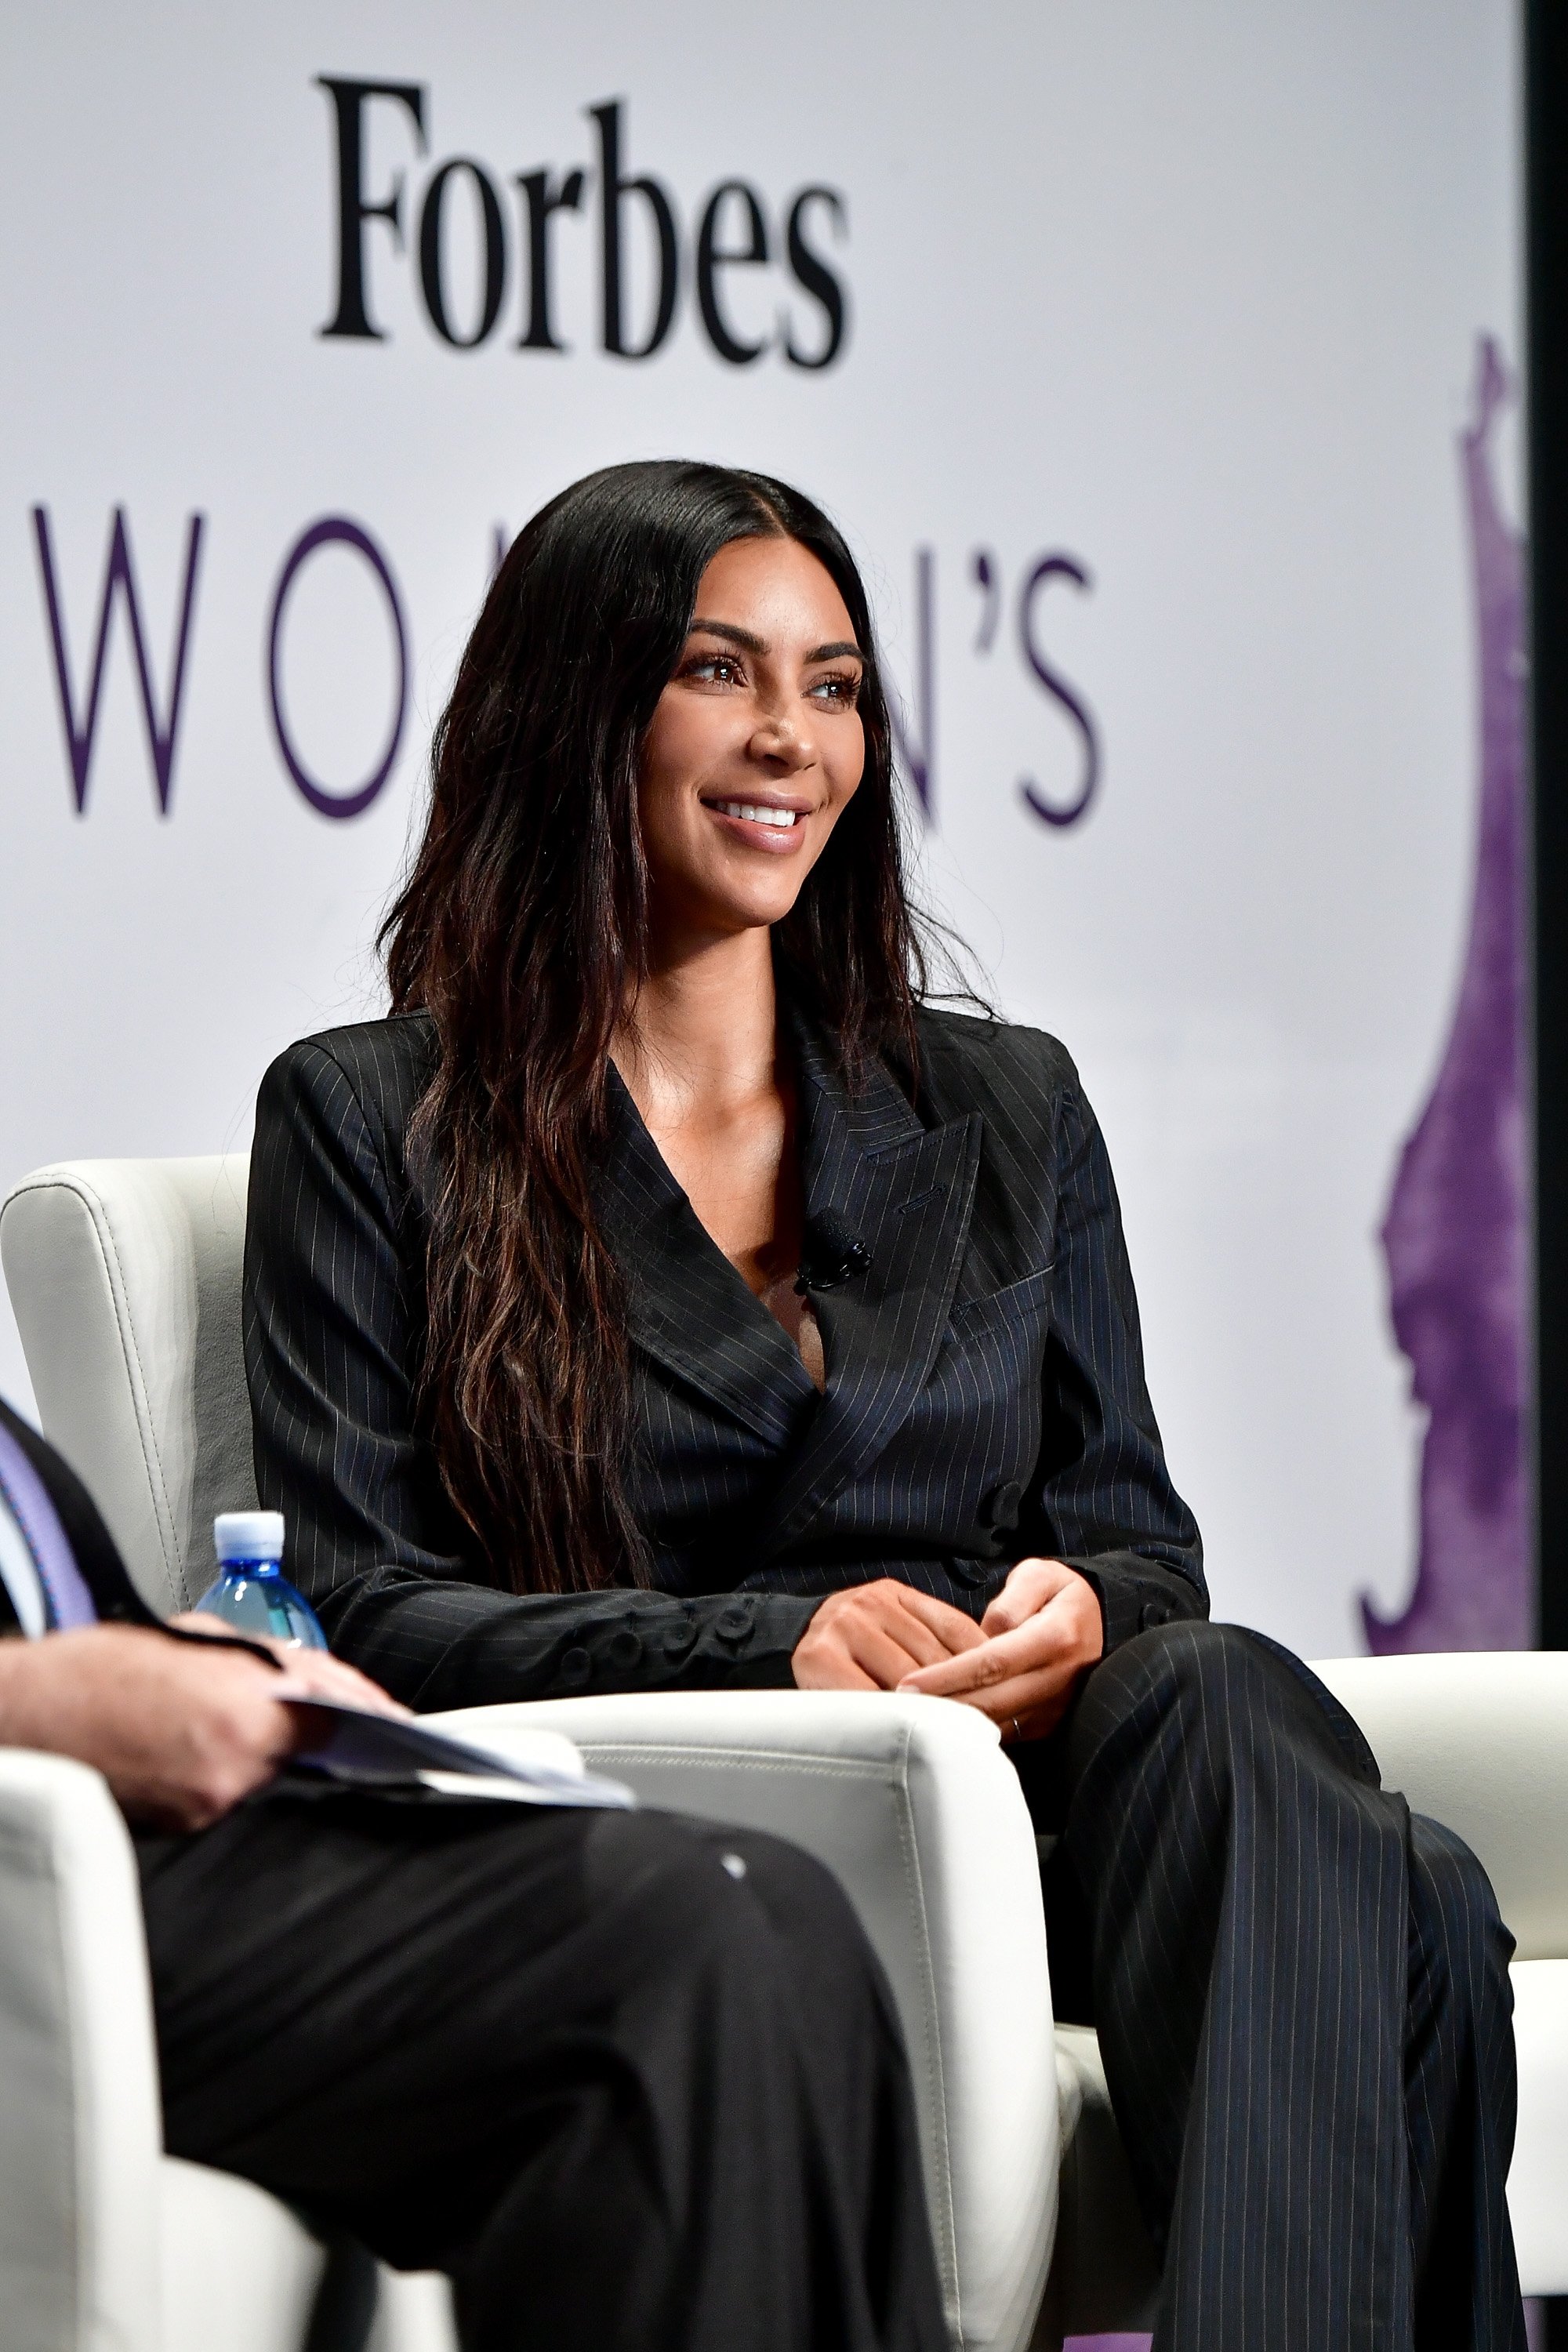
1019,1301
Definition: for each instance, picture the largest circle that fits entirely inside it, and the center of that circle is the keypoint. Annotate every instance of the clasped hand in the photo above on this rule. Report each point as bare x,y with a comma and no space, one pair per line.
1020,1665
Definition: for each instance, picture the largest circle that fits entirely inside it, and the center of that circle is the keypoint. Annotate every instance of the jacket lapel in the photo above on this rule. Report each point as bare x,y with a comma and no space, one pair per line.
688,1307
906,1193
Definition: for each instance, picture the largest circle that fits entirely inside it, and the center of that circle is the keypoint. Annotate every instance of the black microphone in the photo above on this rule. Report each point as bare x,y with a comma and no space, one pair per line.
830,1256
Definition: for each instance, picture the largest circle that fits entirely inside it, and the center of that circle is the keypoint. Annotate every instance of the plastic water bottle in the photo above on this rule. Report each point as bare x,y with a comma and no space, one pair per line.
251,1589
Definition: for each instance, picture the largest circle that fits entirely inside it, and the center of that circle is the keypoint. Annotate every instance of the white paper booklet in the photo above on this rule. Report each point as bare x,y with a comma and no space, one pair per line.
529,1768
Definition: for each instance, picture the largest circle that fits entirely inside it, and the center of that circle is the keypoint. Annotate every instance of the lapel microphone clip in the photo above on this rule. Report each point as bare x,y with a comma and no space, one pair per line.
831,1257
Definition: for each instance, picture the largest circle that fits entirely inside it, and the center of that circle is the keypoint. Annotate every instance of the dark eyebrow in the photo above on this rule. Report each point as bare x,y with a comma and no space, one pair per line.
755,645
741,638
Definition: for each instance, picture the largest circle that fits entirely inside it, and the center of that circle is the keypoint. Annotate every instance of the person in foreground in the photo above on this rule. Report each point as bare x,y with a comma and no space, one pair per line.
633,2082
668,1295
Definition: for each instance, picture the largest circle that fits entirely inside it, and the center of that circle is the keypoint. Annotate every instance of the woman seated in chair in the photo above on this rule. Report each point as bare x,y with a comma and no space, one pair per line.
666,1294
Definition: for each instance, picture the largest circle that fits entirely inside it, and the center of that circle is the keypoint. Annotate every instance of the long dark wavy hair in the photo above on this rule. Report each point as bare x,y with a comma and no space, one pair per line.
522,931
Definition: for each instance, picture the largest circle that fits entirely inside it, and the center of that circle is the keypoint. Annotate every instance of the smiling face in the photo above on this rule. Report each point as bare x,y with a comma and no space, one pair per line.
756,745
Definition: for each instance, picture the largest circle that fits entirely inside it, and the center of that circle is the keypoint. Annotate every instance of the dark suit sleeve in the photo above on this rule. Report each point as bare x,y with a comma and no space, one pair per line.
333,1319
1101,1497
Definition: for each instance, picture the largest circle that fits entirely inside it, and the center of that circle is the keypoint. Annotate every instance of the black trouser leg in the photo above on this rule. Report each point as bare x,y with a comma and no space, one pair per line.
631,2094
1302,2003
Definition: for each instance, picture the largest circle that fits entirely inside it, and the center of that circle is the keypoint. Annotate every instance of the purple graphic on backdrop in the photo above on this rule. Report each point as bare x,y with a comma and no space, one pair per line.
1456,1232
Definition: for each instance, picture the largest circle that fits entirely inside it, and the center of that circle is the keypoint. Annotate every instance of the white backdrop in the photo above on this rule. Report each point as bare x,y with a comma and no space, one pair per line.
1187,297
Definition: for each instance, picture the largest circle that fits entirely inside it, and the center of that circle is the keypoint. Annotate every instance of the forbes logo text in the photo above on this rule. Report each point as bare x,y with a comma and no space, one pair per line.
762,277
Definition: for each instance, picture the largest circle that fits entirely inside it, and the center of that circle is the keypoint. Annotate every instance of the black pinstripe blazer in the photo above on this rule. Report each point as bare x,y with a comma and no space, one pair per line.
984,1394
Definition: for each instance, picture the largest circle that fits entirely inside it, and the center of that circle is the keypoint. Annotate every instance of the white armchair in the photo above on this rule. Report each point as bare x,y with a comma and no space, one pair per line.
911,1802
106,2245
124,1277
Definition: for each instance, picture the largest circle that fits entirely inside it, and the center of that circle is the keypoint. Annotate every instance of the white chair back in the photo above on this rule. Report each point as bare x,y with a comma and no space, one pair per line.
125,1278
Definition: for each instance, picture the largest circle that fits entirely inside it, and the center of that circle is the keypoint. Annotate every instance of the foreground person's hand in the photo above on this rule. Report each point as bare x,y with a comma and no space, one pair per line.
180,1734
873,1636
307,1673
1039,1636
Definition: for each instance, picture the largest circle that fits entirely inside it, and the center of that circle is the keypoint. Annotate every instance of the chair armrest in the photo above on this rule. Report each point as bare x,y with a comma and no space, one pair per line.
79,2120
1478,1739
913,1806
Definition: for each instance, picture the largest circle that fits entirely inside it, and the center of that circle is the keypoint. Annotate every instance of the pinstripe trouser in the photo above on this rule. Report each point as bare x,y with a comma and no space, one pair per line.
1302,1998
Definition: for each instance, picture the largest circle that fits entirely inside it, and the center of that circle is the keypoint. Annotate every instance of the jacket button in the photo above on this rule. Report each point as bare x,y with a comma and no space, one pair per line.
626,1648
679,1638
1152,1613
979,1575
575,1669
1000,1508
734,1627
